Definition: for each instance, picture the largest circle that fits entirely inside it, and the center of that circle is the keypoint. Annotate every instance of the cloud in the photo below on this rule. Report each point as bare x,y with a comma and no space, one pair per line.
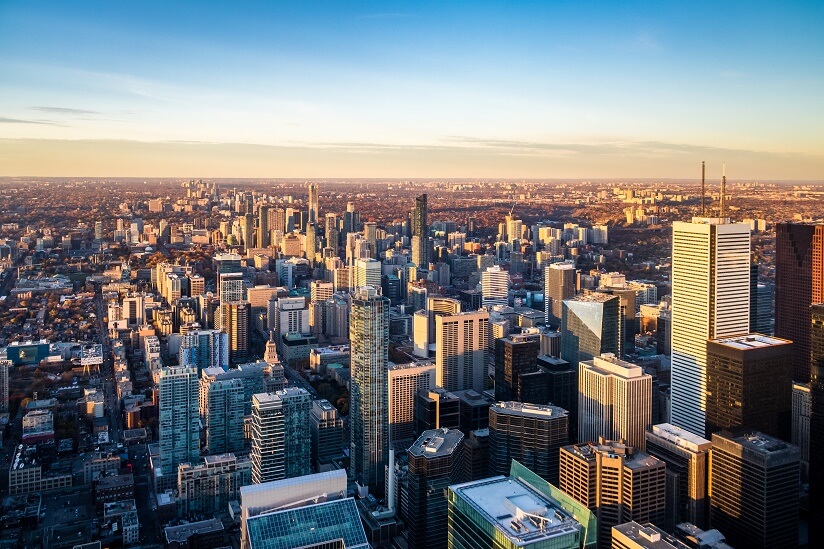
4,120
62,110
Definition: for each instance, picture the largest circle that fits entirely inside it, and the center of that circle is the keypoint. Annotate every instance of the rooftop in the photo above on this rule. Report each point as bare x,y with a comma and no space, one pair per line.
633,459
520,513
608,363
437,443
529,410
180,534
648,536
681,437
751,341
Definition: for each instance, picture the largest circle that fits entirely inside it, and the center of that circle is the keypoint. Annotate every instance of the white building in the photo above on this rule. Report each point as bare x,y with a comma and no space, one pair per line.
461,350
494,286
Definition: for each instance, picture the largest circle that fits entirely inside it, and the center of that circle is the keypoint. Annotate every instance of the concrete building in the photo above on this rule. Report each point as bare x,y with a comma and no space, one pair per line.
268,438
614,401
749,382
688,459
461,350
616,482
754,483
222,411
710,299
208,487
801,411
528,433
179,419
559,284
404,382
494,287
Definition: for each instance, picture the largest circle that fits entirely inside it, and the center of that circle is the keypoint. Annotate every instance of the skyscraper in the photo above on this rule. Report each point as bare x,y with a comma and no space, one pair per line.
234,320
313,203
405,380
204,349
589,327
221,410
817,424
615,481
268,440
559,284
614,401
461,350
494,286
311,246
710,299
688,460
263,226
5,366
327,434
749,383
297,408
179,420
799,282
420,229
369,430
516,355
528,433
435,463
754,482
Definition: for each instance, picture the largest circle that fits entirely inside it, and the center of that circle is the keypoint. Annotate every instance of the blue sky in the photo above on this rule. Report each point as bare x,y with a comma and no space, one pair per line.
423,89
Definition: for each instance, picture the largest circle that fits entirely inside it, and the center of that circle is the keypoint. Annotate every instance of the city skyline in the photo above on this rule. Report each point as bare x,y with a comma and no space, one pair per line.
399,90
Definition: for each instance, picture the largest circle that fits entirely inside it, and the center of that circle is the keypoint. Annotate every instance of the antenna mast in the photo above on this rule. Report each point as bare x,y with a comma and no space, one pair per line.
723,188
703,187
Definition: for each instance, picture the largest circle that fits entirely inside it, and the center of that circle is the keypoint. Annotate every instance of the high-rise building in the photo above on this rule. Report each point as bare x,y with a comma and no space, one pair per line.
749,383
313,203
688,459
327,434
234,320
616,482
528,433
178,418
494,286
366,272
420,229
474,410
614,401
435,463
799,283
710,299
5,366
559,284
221,411
405,380
311,243
255,377
297,409
230,287
203,349
436,409
817,424
369,428
562,383
800,430
514,356
268,440
589,327
754,483
461,350
207,487
263,226
521,511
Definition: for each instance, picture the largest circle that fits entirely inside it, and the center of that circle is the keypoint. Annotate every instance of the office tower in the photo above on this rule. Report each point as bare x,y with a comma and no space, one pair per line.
528,433
268,438
207,487
370,235
476,454
614,401
435,463
710,299
247,230
255,378
615,481
474,410
288,315
632,535
494,287
277,221
313,203
800,435
221,410
332,232
521,511
327,434
405,380
234,320
420,229
5,366
263,226
688,459
461,350
204,349
320,290
297,408
754,483
562,383
817,424
436,409
749,383
516,355
178,418
799,283
230,287
366,272
589,327
311,244
369,428
134,309
559,284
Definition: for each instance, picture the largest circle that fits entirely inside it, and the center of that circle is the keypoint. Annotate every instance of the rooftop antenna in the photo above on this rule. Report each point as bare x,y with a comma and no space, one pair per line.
723,188
703,187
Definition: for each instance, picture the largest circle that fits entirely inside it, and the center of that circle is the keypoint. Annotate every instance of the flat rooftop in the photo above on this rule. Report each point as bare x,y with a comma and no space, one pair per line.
649,536
180,534
521,514
681,437
633,459
529,410
437,443
751,341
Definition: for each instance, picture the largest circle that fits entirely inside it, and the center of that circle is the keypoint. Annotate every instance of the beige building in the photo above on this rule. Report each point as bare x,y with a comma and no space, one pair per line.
461,350
405,380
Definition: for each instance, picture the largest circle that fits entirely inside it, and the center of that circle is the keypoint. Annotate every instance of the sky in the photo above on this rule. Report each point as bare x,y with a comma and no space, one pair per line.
419,89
